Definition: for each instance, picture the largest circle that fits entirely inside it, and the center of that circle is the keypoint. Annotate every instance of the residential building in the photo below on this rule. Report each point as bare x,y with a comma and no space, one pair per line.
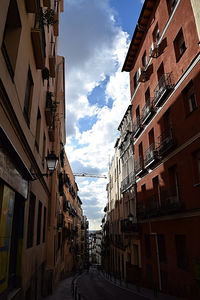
32,127
163,62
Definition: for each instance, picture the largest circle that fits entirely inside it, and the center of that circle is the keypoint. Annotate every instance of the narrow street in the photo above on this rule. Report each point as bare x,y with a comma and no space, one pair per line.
93,285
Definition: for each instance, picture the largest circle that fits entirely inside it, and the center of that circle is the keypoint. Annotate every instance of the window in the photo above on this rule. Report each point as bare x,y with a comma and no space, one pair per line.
156,190
135,255
173,190
181,251
39,222
147,95
28,97
156,34
37,135
179,45
44,225
144,60
44,149
189,98
160,75
171,5
31,216
143,194
11,37
161,248
196,166
137,113
147,246
135,81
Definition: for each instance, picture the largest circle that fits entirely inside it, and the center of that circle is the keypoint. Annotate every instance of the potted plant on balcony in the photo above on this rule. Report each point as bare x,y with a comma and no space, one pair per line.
49,17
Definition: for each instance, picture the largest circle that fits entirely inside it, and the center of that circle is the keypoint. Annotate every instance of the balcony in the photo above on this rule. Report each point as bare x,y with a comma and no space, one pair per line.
128,182
139,166
166,141
128,227
60,221
52,66
165,203
150,156
124,145
31,6
137,126
164,86
147,111
38,41
50,109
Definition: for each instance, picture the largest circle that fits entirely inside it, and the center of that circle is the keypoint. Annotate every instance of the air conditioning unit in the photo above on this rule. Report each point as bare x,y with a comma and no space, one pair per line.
153,50
141,74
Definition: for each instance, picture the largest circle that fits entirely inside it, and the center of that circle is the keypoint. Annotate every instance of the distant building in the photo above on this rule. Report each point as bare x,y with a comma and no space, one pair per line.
95,239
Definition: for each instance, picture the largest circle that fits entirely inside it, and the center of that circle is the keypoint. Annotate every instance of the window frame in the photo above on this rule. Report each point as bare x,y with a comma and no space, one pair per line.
187,93
179,45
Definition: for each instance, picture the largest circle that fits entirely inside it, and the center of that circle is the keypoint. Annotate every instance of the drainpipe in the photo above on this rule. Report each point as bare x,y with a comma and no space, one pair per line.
157,255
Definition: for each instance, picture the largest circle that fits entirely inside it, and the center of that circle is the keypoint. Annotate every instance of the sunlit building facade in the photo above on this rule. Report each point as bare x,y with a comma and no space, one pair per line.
163,61
32,126
160,237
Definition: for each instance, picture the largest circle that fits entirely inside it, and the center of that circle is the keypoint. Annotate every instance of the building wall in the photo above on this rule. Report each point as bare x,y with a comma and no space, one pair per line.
26,149
169,222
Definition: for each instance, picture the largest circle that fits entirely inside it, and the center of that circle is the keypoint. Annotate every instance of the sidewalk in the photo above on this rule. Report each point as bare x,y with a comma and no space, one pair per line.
62,291
141,291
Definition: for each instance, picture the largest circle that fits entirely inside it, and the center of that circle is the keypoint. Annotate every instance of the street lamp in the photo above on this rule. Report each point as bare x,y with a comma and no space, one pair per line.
130,218
52,161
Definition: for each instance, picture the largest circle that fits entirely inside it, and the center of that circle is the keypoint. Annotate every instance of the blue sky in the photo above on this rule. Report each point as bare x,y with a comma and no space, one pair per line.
94,39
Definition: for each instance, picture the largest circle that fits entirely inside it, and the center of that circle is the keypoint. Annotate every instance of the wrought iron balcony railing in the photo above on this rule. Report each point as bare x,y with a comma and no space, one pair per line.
137,126
166,202
50,108
164,85
139,165
147,110
166,141
125,145
150,156
128,182
127,226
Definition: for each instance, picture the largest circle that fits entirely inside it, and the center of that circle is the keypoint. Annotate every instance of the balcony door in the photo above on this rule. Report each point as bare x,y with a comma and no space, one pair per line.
156,191
160,73
173,185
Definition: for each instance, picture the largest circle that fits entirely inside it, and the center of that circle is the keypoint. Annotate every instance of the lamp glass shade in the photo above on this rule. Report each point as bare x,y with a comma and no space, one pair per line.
130,218
52,161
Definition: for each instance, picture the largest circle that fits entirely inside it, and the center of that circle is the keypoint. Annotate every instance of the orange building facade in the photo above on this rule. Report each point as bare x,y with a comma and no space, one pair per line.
163,61
160,241
33,247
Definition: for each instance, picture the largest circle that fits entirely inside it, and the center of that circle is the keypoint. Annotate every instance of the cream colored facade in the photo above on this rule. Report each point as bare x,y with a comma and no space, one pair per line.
196,10
32,125
115,178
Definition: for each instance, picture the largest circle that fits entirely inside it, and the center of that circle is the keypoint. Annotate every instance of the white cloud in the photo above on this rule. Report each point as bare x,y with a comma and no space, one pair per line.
95,49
